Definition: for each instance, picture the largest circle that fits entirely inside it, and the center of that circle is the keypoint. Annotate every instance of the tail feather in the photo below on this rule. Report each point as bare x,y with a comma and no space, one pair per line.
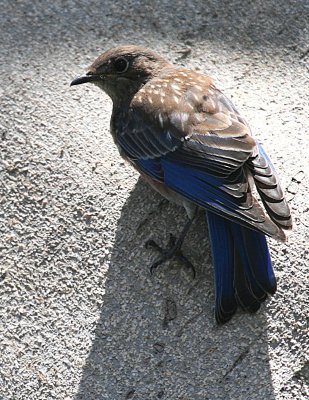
242,267
223,255
255,259
249,298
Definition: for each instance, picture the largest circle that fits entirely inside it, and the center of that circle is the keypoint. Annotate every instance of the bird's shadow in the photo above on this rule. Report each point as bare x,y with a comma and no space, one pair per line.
156,336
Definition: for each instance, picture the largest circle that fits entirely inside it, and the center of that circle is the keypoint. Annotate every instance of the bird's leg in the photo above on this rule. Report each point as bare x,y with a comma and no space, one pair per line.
173,249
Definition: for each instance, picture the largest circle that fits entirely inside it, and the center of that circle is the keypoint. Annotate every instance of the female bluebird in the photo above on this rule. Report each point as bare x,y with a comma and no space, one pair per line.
191,144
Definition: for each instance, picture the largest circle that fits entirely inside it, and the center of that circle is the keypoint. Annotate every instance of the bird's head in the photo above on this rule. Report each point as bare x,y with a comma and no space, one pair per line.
122,71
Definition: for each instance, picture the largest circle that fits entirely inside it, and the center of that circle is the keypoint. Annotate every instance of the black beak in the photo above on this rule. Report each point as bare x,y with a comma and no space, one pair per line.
84,79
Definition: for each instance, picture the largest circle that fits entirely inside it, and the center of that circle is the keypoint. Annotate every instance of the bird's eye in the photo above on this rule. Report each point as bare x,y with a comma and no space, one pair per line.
121,64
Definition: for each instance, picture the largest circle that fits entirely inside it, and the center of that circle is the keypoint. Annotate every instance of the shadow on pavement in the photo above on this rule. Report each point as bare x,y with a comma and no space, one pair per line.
156,337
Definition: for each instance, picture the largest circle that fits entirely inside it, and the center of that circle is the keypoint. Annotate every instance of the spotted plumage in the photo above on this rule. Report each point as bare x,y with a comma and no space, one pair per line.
191,144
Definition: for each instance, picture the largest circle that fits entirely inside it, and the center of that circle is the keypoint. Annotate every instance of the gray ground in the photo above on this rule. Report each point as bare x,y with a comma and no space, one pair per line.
81,317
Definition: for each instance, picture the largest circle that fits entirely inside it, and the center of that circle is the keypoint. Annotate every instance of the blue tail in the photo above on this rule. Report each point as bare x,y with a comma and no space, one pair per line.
242,267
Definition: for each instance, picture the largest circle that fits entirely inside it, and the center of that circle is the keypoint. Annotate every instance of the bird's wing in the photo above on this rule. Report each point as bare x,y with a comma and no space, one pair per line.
199,146
166,113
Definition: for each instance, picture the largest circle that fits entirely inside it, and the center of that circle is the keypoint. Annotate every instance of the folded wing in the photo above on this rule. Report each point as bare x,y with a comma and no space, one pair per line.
197,144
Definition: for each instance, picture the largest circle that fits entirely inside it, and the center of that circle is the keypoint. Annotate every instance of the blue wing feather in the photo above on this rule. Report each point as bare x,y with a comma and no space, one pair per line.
204,189
242,266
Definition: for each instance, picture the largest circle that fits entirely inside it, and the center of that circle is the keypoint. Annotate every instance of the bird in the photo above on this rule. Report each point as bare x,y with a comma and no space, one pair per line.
191,144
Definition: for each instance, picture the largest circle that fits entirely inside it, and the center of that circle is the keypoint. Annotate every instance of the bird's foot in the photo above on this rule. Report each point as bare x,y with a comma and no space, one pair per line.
173,250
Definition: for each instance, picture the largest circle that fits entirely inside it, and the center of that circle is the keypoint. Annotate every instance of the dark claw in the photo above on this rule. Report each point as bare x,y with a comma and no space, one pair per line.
151,244
187,264
172,241
155,265
173,251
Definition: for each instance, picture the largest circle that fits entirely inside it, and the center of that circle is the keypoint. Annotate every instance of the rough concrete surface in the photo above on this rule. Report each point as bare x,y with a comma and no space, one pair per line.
81,317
